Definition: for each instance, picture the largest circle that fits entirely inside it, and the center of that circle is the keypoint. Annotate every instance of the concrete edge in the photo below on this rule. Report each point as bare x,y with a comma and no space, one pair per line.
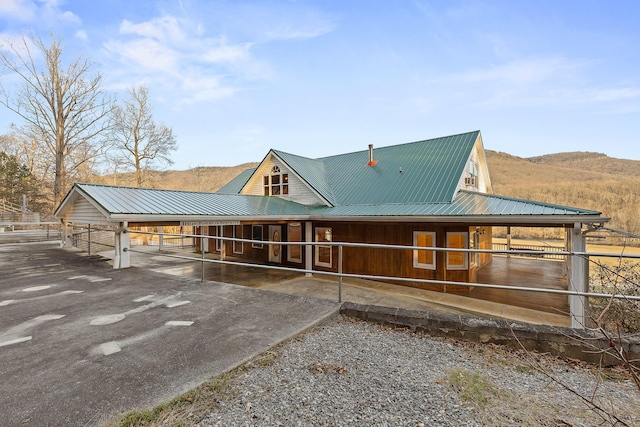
585,345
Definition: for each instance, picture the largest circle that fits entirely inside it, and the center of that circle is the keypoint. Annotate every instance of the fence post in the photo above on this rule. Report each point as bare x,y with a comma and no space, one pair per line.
340,273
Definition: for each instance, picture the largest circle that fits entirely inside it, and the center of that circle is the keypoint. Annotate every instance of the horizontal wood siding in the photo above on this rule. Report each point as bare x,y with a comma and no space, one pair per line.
392,262
298,190
82,211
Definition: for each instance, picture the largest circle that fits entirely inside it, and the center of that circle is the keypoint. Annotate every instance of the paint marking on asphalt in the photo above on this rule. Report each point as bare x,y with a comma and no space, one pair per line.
179,323
7,302
92,279
46,317
110,347
177,303
144,298
15,341
36,288
71,292
107,320
17,333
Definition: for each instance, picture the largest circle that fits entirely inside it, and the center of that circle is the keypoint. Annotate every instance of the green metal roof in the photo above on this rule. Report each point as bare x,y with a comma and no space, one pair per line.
312,171
466,204
431,170
152,202
235,185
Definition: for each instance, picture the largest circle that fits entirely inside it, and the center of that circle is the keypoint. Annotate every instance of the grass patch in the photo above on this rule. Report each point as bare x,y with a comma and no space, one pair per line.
473,387
185,410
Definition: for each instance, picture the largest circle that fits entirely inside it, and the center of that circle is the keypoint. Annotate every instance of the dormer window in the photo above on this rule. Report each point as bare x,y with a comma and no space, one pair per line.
276,183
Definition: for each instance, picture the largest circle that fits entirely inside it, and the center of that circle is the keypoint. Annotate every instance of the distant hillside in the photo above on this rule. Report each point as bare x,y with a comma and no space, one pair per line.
587,161
201,178
587,180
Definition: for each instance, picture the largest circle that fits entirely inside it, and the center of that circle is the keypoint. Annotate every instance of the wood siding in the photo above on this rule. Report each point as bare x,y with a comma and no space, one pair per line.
82,211
478,158
299,191
393,262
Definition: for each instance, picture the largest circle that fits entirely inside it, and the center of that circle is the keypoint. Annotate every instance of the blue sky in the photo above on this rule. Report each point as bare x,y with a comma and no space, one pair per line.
318,78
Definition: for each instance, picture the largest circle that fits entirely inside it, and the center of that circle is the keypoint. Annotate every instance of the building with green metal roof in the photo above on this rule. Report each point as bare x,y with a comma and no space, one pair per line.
430,193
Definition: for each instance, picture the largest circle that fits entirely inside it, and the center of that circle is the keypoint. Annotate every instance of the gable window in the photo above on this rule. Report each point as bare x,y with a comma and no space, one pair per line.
256,234
237,234
276,183
457,260
422,258
323,253
472,179
294,253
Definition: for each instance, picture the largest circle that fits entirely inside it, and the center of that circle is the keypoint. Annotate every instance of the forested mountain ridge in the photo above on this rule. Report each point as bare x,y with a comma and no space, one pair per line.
581,179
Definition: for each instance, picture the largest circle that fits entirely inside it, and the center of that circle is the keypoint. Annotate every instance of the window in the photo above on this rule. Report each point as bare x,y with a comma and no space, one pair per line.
323,253
472,179
218,241
256,234
457,260
237,234
424,259
295,235
276,183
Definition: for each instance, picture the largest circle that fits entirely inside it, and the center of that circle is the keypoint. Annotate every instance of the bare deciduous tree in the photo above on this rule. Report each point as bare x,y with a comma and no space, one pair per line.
65,109
142,143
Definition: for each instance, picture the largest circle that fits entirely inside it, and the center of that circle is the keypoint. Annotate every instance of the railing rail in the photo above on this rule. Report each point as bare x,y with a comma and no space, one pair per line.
340,274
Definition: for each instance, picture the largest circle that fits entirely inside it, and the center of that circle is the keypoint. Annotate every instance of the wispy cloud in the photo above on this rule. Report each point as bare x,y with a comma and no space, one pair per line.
42,11
536,82
180,55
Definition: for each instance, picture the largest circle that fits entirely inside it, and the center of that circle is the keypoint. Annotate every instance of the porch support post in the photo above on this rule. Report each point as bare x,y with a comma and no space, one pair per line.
308,249
204,230
66,240
508,241
578,279
223,244
160,238
122,258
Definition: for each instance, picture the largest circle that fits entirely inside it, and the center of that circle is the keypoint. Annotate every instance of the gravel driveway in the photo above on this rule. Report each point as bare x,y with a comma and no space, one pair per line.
352,373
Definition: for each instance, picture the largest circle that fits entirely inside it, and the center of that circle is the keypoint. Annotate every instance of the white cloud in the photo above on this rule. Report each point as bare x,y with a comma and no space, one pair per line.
175,55
23,10
45,13
537,82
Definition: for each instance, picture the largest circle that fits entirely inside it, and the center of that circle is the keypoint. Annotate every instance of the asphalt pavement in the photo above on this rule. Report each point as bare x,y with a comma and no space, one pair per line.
80,341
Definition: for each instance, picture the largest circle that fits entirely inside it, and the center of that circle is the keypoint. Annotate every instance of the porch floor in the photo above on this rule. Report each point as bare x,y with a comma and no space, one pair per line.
527,272
366,291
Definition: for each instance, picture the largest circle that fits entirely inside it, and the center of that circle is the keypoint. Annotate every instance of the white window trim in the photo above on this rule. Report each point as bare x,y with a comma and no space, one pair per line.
235,244
465,257
317,251
253,244
289,258
417,264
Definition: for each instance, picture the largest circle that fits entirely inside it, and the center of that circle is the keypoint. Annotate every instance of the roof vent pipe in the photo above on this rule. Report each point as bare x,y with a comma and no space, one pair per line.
371,161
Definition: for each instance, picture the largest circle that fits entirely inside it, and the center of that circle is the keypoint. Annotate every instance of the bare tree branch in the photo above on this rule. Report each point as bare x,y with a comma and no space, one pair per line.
143,144
65,109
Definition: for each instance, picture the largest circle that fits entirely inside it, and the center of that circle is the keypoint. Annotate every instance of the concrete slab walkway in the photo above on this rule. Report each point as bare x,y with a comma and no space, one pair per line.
80,340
